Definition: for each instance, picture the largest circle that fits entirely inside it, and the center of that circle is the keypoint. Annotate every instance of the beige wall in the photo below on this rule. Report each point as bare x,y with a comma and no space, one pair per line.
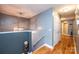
65,27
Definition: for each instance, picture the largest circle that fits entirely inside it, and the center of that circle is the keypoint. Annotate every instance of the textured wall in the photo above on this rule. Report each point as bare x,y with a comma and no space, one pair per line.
33,23
8,23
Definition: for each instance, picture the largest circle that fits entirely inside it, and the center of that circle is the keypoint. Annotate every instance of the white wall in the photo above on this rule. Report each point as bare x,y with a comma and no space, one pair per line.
57,28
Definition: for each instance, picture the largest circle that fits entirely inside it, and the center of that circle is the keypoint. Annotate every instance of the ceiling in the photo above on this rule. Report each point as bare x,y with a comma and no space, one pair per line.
67,11
24,10
30,10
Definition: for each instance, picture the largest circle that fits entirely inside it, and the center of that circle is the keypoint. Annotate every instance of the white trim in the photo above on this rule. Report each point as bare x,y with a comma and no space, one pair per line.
29,52
75,45
51,47
15,31
48,46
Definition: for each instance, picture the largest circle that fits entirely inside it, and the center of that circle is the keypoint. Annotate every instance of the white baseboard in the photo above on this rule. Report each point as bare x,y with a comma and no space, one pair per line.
51,47
75,45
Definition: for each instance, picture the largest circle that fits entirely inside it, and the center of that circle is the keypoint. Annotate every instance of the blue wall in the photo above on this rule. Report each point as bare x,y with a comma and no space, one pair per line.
12,43
43,36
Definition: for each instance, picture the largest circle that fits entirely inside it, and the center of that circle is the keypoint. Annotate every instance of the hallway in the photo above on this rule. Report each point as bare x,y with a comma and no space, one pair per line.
65,46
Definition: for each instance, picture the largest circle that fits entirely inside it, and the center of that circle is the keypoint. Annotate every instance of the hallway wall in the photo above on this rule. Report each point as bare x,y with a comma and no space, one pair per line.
57,28
43,31
76,34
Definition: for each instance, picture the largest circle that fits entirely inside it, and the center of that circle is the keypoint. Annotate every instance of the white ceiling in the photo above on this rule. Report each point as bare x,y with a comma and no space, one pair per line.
26,10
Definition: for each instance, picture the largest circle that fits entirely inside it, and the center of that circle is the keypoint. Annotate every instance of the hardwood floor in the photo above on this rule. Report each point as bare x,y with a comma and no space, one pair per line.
43,50
65,46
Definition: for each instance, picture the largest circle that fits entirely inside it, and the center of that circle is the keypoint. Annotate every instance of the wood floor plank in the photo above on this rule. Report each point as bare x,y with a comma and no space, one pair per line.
64,46
43,50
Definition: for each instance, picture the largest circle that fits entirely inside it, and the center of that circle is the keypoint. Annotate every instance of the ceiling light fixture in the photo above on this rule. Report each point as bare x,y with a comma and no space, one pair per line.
20,13
39,28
